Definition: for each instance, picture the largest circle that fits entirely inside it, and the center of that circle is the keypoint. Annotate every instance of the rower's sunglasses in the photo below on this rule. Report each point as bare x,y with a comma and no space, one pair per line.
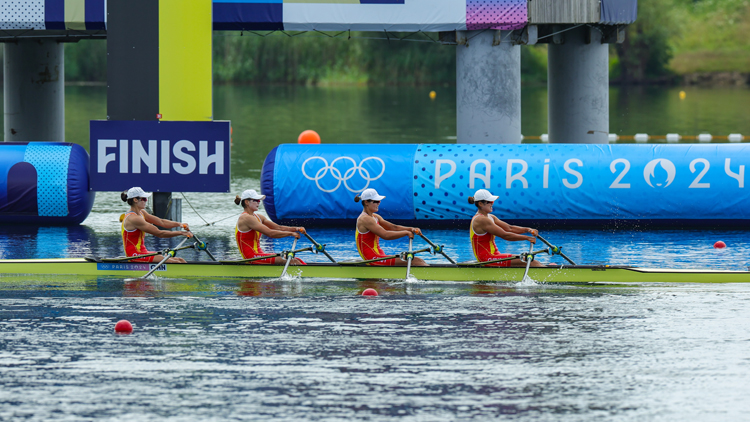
488,202
374,202
255,200
141,199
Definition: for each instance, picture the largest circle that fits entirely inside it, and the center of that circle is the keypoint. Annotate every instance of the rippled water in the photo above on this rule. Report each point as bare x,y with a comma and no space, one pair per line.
312,349
305,350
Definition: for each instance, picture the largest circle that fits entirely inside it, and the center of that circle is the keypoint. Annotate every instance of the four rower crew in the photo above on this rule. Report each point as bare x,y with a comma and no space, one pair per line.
485,226
137,222
371,228
250,226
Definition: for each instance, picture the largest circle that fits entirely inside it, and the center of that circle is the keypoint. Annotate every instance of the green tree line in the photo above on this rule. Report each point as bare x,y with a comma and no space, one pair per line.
669,38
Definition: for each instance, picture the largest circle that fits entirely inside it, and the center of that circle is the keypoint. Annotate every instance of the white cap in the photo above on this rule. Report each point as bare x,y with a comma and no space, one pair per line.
137,193
484,195
371,195
251,194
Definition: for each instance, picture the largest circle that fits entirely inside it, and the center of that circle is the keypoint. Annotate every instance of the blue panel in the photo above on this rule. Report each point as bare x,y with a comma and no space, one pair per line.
22,190
160,156
558,184
10,154
321,181
618,11
51,163
381,1
266,183
80,198
267,16
54,14
95,14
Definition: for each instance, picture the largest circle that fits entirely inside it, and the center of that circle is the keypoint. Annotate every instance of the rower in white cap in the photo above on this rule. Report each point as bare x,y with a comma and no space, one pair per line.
371,228
484,228
137,222
251,225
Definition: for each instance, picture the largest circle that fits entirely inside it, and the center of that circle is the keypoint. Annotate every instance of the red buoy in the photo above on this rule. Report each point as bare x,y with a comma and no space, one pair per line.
308,137
720,245
370,292
124,326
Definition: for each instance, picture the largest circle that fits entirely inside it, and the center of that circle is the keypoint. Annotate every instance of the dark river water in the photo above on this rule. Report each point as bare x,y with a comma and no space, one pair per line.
314,349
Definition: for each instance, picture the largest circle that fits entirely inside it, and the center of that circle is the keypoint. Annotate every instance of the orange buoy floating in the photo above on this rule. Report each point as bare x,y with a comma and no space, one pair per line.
370,292
123,327
308,137
720,245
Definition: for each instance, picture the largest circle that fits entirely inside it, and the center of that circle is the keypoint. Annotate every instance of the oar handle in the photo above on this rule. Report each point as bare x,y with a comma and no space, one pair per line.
553,246
179,247
438,249
320,248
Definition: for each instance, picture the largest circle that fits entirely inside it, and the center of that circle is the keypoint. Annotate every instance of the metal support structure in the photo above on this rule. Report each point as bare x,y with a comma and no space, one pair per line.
165,206
488,88
578,87
34,89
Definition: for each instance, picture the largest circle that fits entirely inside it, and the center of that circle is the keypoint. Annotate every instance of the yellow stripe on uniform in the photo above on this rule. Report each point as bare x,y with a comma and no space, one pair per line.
185,42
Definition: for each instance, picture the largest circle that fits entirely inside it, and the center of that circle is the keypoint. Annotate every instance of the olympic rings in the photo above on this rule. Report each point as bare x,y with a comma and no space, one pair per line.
348,174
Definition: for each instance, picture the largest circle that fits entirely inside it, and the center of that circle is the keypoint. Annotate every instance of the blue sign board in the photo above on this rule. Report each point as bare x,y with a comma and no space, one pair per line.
160,156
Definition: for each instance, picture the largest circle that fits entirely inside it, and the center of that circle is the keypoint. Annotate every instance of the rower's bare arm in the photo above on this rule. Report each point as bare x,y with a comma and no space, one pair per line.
269,228
269,223
143,225
162,222
395,227
498,228
385,230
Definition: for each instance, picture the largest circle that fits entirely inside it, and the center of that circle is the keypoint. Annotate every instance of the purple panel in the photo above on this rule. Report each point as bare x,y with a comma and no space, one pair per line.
22,195
496,14
619,11
54,14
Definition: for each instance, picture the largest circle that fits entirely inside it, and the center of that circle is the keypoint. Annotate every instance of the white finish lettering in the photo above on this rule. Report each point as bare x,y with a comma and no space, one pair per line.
510,178
440,177
102,157
696,183
148,158
545,177
485,178
740,177
178,151
165,157
123,155
572,172
613,168
206,160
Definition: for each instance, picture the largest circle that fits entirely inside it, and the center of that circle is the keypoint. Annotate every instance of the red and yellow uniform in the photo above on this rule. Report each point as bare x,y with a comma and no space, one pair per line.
369,248
485,249
132,241
249,244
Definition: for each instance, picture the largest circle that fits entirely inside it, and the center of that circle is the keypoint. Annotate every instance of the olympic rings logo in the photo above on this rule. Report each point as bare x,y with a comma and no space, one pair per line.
346,176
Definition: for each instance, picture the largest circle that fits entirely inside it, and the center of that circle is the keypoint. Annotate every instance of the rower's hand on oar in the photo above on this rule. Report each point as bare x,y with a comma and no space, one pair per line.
534,232
301,230
184,226
531,239
187,234
410,234
416,231
295,235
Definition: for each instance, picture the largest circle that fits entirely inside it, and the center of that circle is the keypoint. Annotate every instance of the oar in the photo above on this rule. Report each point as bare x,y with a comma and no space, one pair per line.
169,255
529,258
382,258
289,257
258,258
129,258
555,250
409,257
438,249
320,248
510,258
203,246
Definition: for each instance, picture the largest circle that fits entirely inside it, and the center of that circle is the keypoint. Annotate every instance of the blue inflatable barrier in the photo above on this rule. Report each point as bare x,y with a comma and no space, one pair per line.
555,185
44,183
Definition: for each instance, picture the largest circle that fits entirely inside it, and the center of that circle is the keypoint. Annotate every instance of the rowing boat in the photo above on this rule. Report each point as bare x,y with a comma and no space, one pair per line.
437,272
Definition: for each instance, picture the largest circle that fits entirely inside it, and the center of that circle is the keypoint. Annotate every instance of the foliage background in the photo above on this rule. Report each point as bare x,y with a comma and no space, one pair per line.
670,38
